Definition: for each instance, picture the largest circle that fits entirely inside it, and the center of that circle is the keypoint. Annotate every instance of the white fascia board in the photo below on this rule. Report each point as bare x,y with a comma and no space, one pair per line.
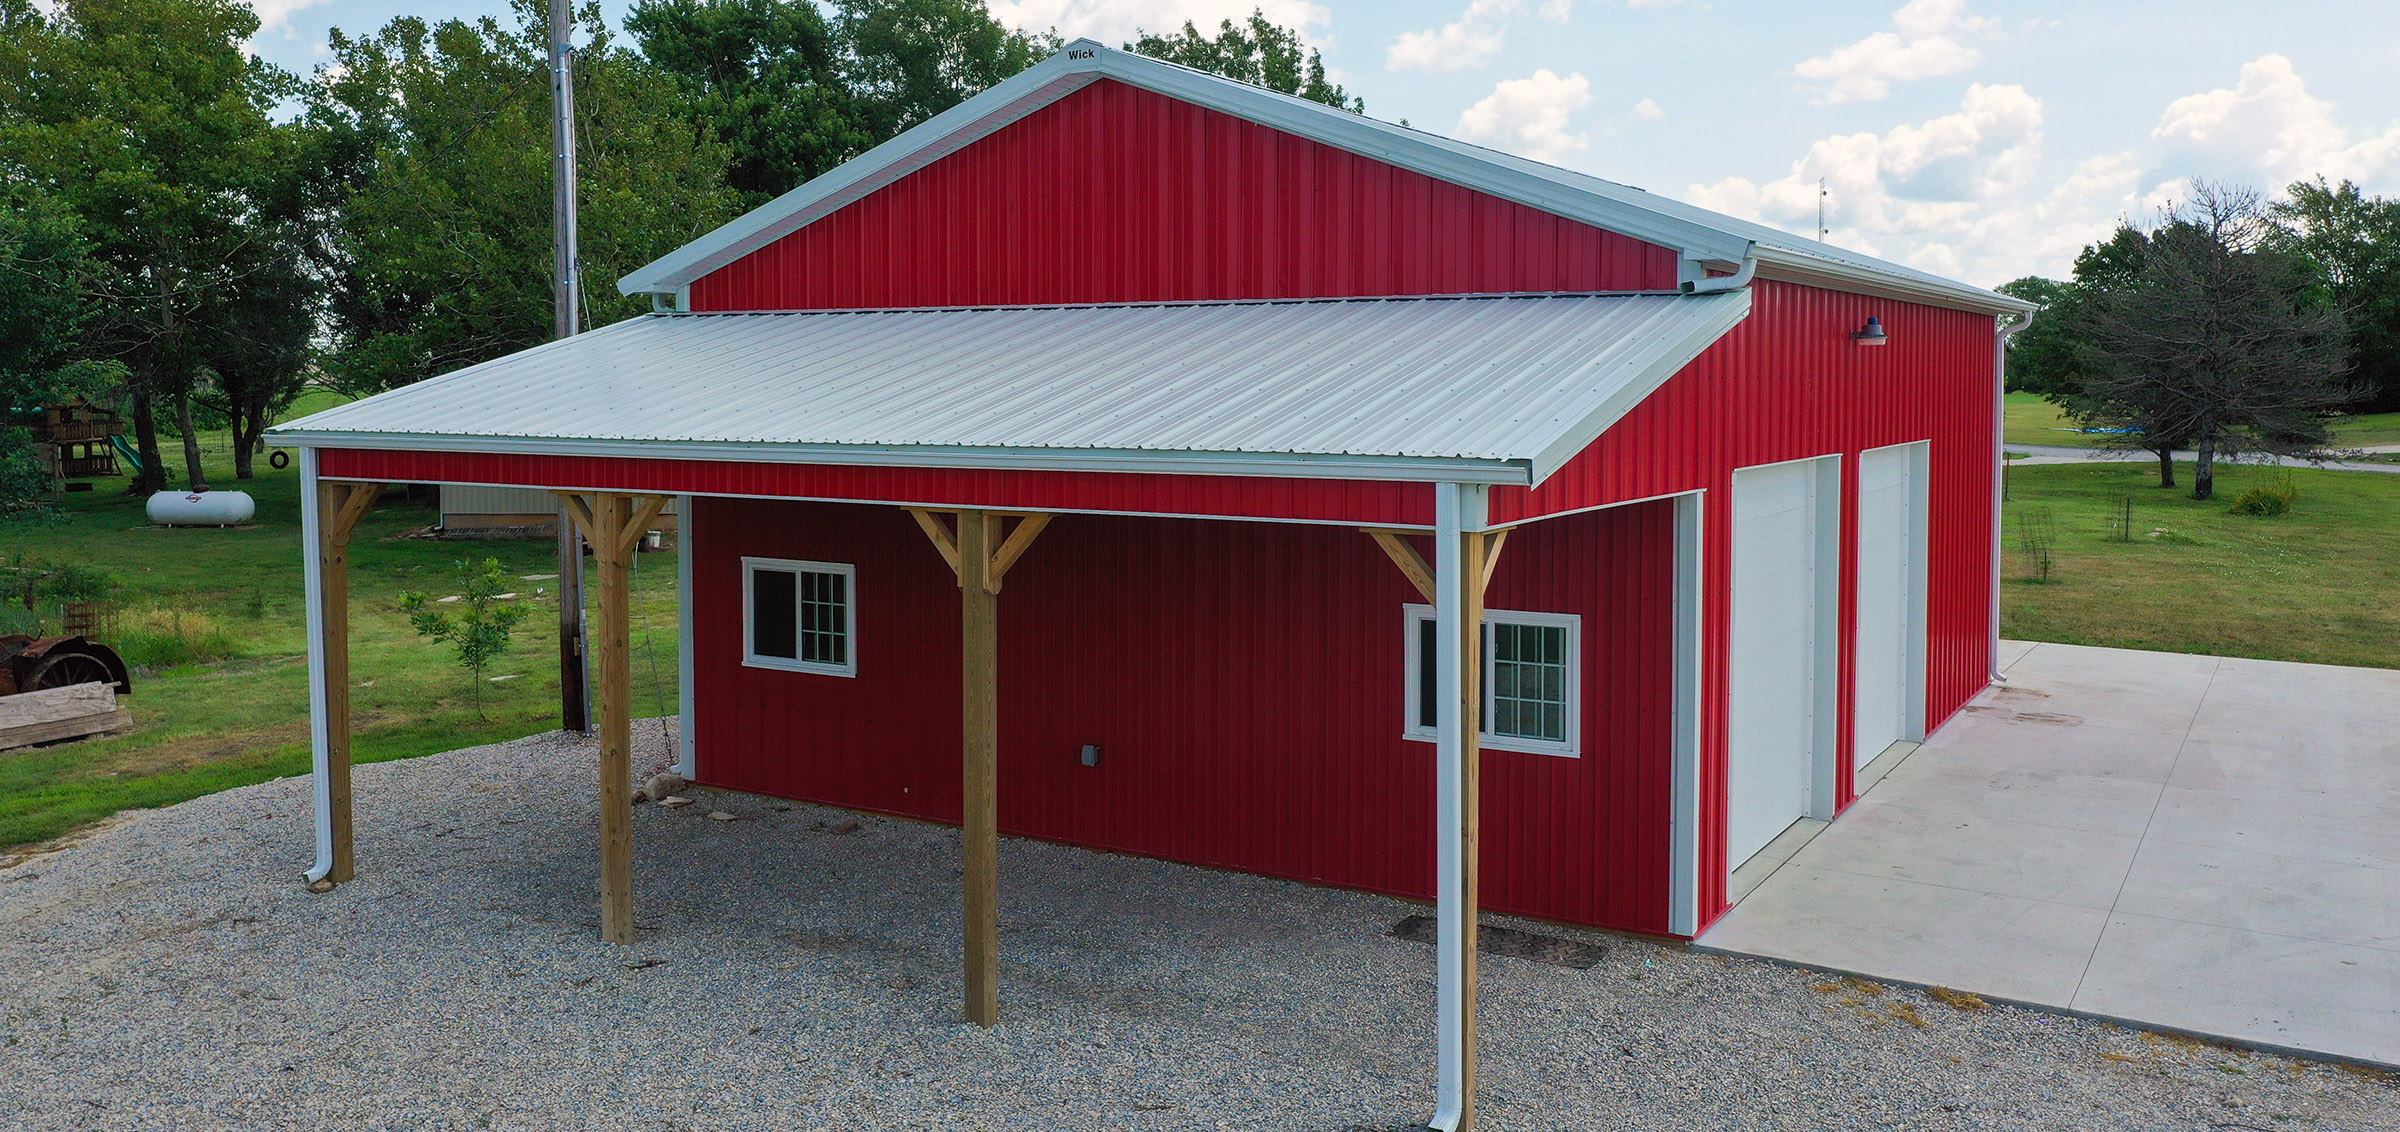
1083,61
1730,308
1280,465
1788,266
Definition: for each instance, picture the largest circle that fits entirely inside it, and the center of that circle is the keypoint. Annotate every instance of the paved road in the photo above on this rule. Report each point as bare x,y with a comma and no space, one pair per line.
2069,454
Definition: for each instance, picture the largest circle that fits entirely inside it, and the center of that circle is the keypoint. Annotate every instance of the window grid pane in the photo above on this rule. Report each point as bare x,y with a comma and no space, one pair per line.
824,618
1529,681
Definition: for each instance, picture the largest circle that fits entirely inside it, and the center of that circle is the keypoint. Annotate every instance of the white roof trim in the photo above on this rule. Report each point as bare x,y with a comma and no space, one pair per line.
1696,233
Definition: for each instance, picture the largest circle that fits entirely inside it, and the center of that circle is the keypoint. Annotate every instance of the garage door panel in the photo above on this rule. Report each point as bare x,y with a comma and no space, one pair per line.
1890,588
1778,516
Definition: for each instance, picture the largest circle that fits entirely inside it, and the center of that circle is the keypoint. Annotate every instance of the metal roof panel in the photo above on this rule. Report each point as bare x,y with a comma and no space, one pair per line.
1493,378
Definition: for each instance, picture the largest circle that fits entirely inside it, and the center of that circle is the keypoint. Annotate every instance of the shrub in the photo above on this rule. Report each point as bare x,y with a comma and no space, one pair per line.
156,638
2265,501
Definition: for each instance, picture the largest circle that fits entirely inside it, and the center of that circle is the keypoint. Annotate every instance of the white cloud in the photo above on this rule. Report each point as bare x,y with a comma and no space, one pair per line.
1649,110
1471,40
1116,21
276,15
1529,116
1558,11
1927,38
2269,126
1958,194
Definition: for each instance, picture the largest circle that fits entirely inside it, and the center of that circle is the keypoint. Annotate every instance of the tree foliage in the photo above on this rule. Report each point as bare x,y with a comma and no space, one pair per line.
435,146
766,77
2218,338
147,120
912,59
1256,51
2354,240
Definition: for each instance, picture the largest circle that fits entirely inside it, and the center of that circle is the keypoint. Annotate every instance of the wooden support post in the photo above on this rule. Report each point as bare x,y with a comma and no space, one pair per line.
614,525
980,557
979,821
1474,559
339,508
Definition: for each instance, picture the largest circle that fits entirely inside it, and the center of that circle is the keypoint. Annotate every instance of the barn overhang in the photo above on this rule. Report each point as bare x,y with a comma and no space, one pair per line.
1488,390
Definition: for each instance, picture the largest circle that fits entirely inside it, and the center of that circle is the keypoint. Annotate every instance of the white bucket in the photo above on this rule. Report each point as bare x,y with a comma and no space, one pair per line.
201,508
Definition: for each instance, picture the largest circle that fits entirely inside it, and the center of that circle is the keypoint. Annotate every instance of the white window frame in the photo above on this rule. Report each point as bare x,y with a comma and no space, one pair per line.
794,566
1416,616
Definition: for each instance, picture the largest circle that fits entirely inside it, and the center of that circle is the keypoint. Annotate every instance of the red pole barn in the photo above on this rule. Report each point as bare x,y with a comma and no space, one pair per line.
1141,460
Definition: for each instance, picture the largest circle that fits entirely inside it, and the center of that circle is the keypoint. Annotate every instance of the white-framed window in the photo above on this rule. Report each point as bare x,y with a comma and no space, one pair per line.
800,616
1532,680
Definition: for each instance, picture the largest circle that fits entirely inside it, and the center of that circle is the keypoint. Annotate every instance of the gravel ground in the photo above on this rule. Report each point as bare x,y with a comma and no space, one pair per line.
170,972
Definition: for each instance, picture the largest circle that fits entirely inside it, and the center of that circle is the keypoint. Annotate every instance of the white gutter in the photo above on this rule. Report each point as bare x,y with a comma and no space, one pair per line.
2000,472
320,736
1301,465
1457,507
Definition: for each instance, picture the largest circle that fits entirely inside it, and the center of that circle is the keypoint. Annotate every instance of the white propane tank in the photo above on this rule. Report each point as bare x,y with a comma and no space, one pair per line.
201,508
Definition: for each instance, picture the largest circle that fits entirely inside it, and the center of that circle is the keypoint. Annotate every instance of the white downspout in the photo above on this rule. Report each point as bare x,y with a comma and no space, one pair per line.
685,660
320,737
1456,508
1999,474
1693,279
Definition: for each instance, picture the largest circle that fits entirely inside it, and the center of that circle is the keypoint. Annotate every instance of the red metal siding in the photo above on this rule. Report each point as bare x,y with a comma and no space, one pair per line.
1245,682
1788,384
1117,194
1240,497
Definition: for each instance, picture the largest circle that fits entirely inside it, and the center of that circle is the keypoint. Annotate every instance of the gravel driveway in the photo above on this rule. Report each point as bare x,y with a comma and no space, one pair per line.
169,972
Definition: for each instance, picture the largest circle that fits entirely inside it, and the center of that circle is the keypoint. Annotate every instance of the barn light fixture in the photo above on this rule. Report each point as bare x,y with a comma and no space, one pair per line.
1871,334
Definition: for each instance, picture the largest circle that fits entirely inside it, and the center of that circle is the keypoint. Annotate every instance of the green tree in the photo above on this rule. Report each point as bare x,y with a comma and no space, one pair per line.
766,77
479,633
434,141
909,60
2220,339
1255,51
2041,359
147,120
2354,239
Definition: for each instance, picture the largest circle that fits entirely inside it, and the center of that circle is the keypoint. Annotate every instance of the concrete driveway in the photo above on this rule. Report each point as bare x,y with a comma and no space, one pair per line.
2205,844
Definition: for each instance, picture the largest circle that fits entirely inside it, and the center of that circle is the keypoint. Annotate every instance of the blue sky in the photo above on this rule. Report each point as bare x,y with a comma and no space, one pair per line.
1978,138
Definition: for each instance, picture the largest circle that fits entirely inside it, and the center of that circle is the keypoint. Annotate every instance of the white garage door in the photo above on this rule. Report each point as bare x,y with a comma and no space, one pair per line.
1891,586
1773,740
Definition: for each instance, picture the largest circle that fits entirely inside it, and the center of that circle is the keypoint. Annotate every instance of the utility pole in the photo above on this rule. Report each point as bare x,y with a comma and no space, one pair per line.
1822,232
573,669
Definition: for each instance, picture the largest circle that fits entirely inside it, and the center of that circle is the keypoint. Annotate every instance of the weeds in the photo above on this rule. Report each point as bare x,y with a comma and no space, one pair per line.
171,637
2268,500
1956,999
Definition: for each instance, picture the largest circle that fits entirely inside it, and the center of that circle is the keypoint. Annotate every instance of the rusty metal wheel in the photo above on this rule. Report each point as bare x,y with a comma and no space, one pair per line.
66,669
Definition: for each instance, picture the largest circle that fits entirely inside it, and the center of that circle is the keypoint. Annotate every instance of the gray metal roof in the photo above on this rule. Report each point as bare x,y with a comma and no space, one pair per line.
1511,385
1701,235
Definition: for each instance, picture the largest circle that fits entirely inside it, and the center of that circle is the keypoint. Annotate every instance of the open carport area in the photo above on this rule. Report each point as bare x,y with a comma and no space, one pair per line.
2206,844
792,972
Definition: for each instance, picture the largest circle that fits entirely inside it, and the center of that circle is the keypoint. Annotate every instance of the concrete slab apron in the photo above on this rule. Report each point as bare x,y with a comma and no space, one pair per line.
2201,844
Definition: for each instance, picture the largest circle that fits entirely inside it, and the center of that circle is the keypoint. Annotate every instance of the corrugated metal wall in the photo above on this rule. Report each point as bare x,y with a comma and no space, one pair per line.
1374,503
1787,384
1116,194
1245,682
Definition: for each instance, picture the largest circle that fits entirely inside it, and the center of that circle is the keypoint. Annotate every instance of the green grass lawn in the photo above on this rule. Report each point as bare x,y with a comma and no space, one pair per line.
2029,419
200,728
2314,585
